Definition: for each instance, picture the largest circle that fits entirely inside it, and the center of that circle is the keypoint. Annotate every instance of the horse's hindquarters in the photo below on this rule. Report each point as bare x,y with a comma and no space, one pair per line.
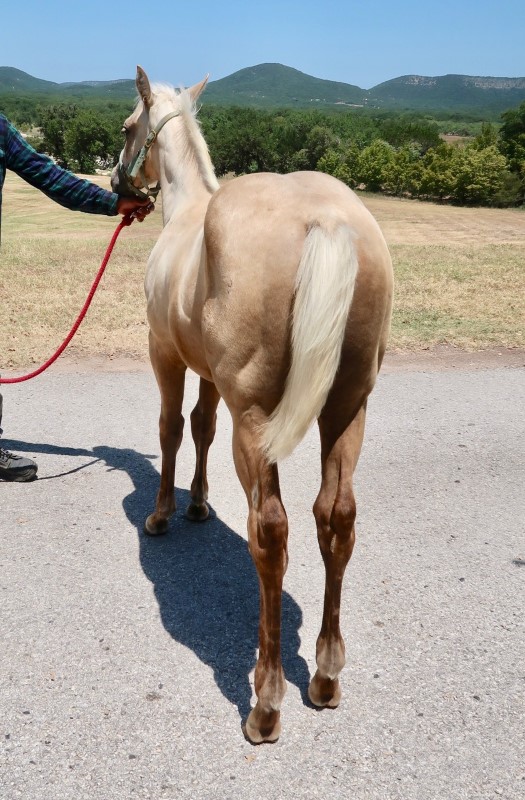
258,231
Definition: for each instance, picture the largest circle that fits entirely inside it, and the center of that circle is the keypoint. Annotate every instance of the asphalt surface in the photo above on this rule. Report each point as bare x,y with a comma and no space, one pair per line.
126,663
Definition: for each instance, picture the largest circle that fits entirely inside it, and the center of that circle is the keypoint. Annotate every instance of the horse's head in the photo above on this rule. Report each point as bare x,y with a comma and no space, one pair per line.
138,165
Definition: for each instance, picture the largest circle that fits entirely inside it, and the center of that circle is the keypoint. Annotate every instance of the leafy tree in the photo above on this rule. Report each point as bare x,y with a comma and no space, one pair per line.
374,162
512,145
355,128
87,142
53,121
400,132
487,138
239,142
480,175
318,140
402,174
512,137
341,164
438,179
511,192
20,109
300,160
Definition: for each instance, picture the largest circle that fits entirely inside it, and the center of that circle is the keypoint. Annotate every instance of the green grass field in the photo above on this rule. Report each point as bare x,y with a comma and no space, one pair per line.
460,277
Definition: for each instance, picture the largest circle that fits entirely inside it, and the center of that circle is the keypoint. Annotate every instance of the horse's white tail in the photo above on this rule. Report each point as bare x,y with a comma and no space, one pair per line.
323,294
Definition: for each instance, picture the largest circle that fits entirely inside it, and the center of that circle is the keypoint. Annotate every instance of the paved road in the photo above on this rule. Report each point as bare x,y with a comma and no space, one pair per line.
126,662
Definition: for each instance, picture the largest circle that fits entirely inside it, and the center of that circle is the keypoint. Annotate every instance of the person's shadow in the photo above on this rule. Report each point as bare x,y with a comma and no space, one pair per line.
204,581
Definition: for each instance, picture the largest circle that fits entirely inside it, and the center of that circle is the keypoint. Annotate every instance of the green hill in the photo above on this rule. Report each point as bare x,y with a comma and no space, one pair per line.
15,82
274,85
279,86
455,92
123,89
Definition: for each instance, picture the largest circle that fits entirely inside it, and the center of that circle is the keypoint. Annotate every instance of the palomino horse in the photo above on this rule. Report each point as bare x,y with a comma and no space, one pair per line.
276,290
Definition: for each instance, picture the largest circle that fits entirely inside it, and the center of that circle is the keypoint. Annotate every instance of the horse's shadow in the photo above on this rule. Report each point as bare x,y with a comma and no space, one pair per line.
206,586
204,581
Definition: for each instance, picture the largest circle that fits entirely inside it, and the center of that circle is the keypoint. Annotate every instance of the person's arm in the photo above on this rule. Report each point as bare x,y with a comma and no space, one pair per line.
61,185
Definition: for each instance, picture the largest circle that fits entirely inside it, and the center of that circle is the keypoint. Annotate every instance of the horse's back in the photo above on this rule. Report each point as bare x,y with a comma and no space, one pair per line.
262,220
296,199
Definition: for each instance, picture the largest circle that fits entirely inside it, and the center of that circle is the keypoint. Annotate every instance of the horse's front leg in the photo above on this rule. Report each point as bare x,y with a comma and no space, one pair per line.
335,513
170,373
203,423
267,537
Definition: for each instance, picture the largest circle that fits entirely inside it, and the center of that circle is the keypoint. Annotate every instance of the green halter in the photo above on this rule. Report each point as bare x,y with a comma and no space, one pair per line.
136,166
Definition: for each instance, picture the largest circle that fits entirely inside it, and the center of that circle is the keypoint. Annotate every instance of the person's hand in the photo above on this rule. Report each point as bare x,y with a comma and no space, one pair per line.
133,205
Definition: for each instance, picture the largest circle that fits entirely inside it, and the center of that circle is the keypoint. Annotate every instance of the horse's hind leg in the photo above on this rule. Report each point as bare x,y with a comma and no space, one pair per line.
170,373
203,422
267,536
335,512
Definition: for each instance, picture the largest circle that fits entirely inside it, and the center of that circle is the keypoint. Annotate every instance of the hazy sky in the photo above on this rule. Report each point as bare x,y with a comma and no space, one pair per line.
362,43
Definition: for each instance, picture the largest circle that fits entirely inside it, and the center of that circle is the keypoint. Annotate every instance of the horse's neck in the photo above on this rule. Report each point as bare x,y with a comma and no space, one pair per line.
184,179
181,192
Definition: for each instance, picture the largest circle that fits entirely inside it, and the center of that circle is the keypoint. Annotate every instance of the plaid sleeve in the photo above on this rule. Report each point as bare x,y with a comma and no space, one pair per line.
57,183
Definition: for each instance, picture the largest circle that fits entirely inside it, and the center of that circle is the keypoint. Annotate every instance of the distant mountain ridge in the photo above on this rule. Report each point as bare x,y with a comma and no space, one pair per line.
276,85
449,91
15,80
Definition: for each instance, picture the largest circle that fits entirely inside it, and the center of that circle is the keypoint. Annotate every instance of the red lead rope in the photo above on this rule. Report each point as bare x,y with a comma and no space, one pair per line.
127,220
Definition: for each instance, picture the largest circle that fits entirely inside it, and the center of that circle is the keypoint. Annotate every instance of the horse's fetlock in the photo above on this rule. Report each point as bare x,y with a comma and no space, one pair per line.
270,687
330,657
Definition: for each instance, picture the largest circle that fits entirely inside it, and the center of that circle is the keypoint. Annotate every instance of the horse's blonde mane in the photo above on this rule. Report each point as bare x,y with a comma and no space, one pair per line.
196,144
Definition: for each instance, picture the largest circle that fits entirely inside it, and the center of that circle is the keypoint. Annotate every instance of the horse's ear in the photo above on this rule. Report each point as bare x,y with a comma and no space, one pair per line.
143,87
197,90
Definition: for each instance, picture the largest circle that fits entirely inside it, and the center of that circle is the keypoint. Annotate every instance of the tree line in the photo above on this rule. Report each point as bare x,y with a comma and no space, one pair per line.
401,155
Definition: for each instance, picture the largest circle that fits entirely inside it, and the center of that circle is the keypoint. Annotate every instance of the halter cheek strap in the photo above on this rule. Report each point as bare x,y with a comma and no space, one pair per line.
135,167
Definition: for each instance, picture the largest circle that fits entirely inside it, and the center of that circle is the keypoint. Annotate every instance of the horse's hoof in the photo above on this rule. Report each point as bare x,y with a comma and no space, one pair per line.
155,525
258,731
323,692
197,513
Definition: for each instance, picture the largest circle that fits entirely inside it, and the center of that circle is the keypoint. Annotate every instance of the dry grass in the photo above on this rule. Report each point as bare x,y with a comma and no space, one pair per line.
460,277
460,274
49,259
468,296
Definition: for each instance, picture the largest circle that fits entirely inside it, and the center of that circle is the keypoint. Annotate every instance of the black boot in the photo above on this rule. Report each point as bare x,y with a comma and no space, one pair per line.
13,467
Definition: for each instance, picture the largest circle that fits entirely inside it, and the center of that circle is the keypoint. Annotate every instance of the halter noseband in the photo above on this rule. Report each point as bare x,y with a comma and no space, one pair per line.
136,166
